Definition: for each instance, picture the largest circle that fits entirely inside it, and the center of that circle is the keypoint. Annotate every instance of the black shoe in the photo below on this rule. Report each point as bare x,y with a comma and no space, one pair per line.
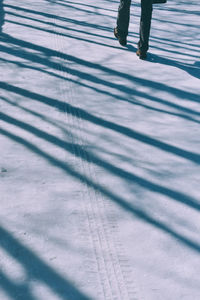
141,54
122,40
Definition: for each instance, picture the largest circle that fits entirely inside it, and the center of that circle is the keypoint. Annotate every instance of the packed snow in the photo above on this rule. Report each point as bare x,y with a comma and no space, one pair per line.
100,153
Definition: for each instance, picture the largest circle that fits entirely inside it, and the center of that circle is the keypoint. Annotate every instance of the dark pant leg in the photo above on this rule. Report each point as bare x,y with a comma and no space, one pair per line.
145,24
123,17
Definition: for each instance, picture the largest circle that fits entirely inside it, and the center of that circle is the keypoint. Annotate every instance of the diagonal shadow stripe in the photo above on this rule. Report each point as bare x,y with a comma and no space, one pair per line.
89,157
143,82
65,107
37,269
110,195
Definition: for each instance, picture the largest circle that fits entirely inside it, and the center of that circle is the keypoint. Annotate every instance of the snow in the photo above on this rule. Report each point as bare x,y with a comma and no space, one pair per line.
99,164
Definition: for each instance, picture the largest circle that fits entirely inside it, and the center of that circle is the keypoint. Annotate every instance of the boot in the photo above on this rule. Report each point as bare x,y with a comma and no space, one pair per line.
122,40
141,54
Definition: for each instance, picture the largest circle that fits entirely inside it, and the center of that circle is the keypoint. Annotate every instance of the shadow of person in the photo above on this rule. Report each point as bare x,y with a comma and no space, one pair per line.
2,16
197,63
130,47
193,70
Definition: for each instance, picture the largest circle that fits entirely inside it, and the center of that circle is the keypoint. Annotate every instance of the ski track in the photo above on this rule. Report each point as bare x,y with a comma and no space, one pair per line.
113,269
108,273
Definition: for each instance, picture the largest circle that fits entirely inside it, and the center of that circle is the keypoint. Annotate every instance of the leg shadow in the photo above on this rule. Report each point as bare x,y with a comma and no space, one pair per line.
193,70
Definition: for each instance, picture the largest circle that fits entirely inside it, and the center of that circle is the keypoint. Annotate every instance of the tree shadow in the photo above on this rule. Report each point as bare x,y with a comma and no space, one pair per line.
2,15
92,78
184,11
58,27
175,23
177,44
115,170
99,90
68,108
71,36
192,70
36,270
87,5
62,30
186,154
71,5
139,213
58,18
42,272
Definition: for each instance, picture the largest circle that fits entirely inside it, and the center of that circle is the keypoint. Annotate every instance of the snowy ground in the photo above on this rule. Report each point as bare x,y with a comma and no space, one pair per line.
99,161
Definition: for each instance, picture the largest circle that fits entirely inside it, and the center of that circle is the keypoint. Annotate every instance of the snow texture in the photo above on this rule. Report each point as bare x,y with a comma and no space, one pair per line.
99,160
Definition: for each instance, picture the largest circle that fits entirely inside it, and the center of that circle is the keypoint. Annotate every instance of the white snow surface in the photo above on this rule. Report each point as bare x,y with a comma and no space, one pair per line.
99,153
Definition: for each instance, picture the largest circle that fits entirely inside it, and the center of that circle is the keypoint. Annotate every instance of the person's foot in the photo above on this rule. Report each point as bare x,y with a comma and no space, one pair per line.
122,40
141,54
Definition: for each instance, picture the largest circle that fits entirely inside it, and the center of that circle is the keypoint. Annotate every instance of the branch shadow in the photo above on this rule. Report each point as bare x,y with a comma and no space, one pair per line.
87,5
99,90
2,16
36,270
71,5
58,27
92,78
71,36
68,108
179,10
58,18
105,192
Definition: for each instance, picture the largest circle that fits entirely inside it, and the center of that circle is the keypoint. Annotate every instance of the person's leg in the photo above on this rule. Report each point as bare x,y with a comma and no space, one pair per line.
123,17
145,25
